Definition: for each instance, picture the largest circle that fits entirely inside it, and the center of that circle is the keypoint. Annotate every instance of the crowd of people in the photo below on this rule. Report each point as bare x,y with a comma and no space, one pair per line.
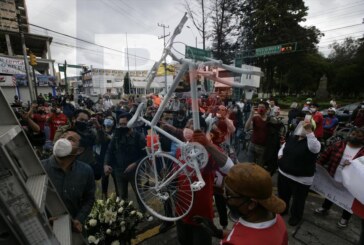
83,141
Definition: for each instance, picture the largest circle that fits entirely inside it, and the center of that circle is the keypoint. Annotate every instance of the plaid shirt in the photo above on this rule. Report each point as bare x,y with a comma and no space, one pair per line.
331,157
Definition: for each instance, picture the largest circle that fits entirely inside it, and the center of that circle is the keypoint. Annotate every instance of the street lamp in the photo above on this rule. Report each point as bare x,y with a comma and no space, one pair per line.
193,34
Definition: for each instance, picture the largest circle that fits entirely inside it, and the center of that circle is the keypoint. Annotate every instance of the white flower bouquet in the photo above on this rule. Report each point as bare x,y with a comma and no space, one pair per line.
112,222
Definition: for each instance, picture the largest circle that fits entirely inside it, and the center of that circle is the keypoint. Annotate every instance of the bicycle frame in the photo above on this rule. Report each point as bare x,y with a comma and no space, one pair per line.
193,68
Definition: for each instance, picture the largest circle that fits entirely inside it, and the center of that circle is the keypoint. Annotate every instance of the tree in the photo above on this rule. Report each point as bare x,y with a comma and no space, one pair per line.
223,46
127,84
198,16
270,22
347,61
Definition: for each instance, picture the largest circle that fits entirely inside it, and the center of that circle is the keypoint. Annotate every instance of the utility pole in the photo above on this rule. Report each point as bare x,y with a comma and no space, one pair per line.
26,64
127,49
165,61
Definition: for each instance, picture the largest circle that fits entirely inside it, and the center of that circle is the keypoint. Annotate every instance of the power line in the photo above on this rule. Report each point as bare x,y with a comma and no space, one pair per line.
347,35
343,27
85,41
328,11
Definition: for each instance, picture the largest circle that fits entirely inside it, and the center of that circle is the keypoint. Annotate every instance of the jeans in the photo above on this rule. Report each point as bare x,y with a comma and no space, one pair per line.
122,180
192,235
256,154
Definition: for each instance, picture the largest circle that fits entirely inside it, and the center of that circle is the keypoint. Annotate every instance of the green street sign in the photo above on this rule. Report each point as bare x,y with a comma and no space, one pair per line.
197,54
276,49
61,68
75,66
265,51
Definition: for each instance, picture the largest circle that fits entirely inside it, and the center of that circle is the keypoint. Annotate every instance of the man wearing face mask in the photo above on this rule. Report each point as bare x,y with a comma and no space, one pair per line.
258,121
125,151
89,129
296,165
248,192
180,119
73,179
334,158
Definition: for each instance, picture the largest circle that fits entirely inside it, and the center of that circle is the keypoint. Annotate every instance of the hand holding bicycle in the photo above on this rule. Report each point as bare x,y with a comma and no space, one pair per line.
200,137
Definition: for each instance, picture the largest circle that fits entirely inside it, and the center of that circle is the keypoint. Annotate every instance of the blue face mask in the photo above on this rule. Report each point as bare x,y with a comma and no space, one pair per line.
108,122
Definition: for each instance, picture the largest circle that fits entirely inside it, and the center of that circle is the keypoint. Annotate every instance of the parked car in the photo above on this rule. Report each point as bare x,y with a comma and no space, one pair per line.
343,113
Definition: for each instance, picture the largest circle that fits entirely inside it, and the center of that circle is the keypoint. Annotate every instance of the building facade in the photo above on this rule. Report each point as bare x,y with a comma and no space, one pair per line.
12,68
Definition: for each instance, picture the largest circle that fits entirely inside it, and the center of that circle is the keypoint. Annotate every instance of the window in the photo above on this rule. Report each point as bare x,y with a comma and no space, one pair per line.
108,81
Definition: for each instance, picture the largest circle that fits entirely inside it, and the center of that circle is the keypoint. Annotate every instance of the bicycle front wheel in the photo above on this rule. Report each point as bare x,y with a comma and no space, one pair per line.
164,186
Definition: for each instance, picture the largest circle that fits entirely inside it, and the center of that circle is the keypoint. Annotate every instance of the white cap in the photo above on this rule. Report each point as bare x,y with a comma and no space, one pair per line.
332,109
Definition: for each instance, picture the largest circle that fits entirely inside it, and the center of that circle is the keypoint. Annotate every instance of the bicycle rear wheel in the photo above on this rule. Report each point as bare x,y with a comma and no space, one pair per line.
164,187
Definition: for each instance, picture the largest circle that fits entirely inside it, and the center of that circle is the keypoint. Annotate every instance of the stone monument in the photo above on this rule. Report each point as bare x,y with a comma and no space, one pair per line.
322,92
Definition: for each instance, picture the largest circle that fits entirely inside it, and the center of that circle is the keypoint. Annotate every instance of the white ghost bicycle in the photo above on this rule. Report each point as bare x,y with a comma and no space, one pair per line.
166,185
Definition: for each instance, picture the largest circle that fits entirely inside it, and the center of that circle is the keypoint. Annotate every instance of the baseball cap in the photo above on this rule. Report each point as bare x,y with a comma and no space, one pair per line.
253,181
332,109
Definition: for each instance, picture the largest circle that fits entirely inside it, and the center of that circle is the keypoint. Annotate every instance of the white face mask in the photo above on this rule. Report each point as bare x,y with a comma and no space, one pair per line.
62,148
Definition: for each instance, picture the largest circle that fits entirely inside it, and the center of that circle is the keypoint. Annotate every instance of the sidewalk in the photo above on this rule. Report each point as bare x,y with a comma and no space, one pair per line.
312,230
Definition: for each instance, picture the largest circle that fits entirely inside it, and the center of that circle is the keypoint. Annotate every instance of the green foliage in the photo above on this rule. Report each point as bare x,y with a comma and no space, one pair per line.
266,23
347,61
222,17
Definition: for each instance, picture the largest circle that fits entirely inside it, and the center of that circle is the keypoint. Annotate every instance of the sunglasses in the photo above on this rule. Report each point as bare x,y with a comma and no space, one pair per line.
227,196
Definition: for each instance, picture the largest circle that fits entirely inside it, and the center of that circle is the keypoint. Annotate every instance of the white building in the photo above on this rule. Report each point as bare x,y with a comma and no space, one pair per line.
101,81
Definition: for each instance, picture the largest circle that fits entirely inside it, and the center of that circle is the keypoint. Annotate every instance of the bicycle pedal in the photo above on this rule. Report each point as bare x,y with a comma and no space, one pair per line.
196,186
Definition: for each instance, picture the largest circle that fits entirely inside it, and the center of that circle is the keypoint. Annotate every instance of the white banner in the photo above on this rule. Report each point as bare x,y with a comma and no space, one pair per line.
11,66
326,186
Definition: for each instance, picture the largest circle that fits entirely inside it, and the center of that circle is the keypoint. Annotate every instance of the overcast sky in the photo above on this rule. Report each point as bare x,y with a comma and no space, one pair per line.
121,23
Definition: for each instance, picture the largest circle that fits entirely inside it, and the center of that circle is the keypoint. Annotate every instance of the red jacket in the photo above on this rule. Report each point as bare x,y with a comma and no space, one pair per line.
331,157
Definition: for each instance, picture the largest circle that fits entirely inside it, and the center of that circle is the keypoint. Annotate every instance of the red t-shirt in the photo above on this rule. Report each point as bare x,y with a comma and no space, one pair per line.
260,131
271,232
56,121
40,119
203,199
318,118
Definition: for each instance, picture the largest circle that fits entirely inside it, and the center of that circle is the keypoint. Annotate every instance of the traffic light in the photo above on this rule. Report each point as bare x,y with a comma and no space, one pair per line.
288,47
32,59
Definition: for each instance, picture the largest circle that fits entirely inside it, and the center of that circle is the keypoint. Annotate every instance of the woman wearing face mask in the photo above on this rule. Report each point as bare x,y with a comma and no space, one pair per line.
296,165
334,158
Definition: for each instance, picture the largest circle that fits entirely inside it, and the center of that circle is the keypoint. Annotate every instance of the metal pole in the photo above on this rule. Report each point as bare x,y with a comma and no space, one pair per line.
65,75
195,106
35,82
165,61
26,64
